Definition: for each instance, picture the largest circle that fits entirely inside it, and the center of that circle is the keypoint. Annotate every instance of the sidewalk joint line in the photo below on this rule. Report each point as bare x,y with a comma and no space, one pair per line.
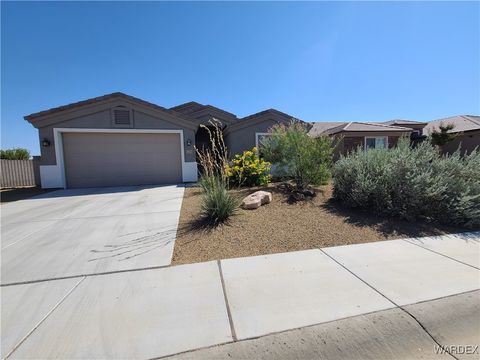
438,253
229,313
84,275
393,302
44,318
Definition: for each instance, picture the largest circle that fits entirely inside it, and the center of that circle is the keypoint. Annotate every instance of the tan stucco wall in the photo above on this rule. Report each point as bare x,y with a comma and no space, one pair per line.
102,120
468,141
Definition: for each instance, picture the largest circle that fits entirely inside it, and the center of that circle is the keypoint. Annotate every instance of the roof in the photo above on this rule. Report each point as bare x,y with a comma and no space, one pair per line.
331,128
251,119
461,122
403,122
362,126
265,112
191,107
319,128
93,101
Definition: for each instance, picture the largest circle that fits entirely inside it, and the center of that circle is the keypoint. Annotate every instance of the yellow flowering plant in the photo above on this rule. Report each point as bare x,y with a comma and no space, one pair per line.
247,169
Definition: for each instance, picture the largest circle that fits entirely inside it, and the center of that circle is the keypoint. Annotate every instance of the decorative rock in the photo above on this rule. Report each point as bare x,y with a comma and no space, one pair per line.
257,199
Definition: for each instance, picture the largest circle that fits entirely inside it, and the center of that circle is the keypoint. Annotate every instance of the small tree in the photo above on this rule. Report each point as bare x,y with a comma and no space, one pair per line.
15,154
443,135
295,154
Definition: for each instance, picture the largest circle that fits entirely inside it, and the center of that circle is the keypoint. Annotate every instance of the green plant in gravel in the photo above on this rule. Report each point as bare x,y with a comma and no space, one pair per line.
298,156
217,204
411,183
247,169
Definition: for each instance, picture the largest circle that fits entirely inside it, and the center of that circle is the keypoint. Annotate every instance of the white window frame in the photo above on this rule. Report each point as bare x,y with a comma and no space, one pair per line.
257,135
374,137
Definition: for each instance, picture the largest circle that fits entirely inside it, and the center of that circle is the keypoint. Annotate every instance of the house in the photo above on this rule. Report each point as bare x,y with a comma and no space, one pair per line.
350,135
117,139
467,129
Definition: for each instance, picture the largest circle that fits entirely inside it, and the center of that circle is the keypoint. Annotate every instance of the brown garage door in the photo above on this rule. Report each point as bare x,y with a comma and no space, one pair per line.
117,159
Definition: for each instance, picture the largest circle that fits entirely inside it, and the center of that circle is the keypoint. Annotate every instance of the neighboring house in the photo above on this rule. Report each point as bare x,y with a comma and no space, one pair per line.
467,128
348,136
117,139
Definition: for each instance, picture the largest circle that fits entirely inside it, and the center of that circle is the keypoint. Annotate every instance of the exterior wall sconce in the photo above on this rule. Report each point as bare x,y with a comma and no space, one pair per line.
189,142
45,142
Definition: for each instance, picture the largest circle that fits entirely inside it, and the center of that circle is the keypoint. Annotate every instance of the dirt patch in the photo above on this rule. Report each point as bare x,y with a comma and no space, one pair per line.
14,194
282,226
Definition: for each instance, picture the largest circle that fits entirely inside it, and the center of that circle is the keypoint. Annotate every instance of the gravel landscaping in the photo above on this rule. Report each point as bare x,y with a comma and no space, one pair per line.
282,226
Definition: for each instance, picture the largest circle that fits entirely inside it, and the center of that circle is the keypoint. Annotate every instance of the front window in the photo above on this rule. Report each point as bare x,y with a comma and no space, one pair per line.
259,137
377,142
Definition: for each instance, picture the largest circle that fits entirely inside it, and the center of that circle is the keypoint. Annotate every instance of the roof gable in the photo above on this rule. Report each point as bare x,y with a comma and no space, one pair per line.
196,111
58,114
265,115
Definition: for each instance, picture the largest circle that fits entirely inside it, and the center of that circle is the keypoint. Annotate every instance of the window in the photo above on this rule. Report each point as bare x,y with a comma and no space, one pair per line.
258,141
376,142
122,117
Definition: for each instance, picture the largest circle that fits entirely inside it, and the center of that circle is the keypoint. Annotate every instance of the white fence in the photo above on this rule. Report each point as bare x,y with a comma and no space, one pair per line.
16,173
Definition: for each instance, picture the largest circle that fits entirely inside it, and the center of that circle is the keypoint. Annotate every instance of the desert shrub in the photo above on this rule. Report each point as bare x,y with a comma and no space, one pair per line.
217,202
15,154
411,183
247,169
298,156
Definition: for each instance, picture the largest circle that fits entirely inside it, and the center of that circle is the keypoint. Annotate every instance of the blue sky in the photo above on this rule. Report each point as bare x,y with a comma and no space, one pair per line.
318,61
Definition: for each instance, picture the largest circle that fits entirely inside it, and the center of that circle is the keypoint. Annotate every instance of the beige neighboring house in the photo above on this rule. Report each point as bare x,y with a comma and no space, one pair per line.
350,135
467,128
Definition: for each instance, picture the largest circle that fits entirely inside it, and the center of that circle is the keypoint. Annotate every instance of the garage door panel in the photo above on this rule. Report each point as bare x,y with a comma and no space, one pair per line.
113,159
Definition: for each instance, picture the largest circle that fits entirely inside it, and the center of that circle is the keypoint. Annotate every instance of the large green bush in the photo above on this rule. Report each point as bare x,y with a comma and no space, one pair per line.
411,183
247,169
296,155
15,154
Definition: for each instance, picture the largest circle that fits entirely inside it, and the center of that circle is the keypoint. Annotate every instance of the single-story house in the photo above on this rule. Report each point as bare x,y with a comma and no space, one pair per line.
348,136
467,129
117,139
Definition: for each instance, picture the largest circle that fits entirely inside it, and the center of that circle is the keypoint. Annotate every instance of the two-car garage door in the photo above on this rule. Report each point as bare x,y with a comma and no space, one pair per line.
115,159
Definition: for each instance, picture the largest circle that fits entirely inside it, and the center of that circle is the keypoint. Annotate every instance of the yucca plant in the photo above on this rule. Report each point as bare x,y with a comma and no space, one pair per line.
218,204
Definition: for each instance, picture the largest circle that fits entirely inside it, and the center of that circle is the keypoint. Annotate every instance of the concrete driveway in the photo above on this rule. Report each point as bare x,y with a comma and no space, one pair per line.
395,299
69,233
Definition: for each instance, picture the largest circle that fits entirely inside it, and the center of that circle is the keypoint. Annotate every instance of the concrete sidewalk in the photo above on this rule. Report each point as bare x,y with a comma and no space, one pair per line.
390,299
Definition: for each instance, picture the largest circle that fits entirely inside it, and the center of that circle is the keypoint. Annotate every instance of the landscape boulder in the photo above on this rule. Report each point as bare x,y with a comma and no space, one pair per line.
257,199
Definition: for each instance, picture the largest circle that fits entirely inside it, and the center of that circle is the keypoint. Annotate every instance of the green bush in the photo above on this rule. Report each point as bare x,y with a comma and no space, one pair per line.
298,156
217,203
411,183
15,154
247,169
